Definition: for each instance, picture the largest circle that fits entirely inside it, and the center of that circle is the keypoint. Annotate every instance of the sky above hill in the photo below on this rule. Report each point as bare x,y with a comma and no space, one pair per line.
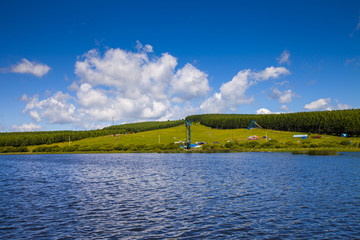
77,65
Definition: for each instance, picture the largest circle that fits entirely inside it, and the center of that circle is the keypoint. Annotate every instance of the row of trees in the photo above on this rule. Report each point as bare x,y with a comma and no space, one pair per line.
17,139
143,126
329,122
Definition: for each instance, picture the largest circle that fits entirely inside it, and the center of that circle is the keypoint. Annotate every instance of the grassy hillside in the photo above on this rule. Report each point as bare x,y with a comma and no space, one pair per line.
21,139
163,139
322,122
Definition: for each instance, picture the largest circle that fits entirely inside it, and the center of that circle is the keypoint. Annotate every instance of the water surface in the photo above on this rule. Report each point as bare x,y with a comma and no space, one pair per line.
166,196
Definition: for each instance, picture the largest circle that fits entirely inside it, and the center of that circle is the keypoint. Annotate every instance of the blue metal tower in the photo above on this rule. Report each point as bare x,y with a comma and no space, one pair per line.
188,135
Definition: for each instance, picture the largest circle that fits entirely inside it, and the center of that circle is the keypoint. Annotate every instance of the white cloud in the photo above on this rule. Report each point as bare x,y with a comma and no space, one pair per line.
26,127
139,86
131,74
128,86
284,57
320,104
341,106
25,66
269,72
35,116
325,104
263,111
179,112
147,48
55,109
189,83
285,108
282,83
285,96
87,96
233,93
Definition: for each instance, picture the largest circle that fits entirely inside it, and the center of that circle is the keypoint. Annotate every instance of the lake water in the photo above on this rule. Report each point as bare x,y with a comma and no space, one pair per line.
181,196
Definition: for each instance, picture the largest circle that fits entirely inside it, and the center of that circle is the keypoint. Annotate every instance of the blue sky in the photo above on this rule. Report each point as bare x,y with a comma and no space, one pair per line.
82,64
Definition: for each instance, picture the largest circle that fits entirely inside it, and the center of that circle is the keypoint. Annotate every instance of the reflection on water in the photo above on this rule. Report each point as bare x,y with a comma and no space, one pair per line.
145,196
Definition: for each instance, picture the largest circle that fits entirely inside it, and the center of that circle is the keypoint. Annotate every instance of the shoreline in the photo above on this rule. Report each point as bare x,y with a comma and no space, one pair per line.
280,150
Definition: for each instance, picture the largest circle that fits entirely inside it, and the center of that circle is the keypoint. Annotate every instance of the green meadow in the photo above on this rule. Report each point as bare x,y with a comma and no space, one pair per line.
217,140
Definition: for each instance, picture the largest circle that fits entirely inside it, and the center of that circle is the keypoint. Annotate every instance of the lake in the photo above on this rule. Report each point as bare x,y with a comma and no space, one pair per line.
180,196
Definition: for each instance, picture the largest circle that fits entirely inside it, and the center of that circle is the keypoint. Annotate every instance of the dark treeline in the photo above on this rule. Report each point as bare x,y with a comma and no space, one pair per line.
322,122
18,139
144,126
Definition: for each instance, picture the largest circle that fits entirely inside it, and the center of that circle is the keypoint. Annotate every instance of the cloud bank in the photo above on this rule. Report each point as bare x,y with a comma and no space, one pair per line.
325,104
26,127
233,93
124,85
141,86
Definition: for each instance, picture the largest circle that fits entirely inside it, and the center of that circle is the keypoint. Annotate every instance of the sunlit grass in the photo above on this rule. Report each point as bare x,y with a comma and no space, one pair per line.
200,133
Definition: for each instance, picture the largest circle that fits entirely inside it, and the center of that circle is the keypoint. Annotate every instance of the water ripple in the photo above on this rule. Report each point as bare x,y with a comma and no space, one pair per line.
180,196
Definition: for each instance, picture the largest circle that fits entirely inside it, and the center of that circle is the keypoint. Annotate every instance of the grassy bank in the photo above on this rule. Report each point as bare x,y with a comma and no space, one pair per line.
228,140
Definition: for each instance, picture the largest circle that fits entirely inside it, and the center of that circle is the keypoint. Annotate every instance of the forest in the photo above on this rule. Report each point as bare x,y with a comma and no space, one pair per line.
19,139
322,122
143,126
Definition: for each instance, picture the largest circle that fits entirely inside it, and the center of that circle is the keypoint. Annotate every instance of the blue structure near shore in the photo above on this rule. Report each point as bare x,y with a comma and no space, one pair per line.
254,124
188,144
301,136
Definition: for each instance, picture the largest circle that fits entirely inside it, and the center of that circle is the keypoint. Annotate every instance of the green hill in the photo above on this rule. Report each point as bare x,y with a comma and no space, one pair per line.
322,122
166,140
225,132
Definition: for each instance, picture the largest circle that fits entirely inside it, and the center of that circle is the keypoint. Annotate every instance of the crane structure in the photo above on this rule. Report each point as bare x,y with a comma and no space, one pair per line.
254,124
187,135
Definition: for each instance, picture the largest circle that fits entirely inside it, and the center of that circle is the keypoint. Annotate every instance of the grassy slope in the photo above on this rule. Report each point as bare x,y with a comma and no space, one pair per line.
199,133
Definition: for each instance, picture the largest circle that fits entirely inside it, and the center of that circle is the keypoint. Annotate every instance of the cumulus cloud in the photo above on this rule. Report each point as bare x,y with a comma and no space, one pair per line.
27,67
138,86
55,109
26,127
269,72
87,96
124,85
325,104
284,57
233,93
189,83
134,85
35,116
263,111
320,104
141,48
285,96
